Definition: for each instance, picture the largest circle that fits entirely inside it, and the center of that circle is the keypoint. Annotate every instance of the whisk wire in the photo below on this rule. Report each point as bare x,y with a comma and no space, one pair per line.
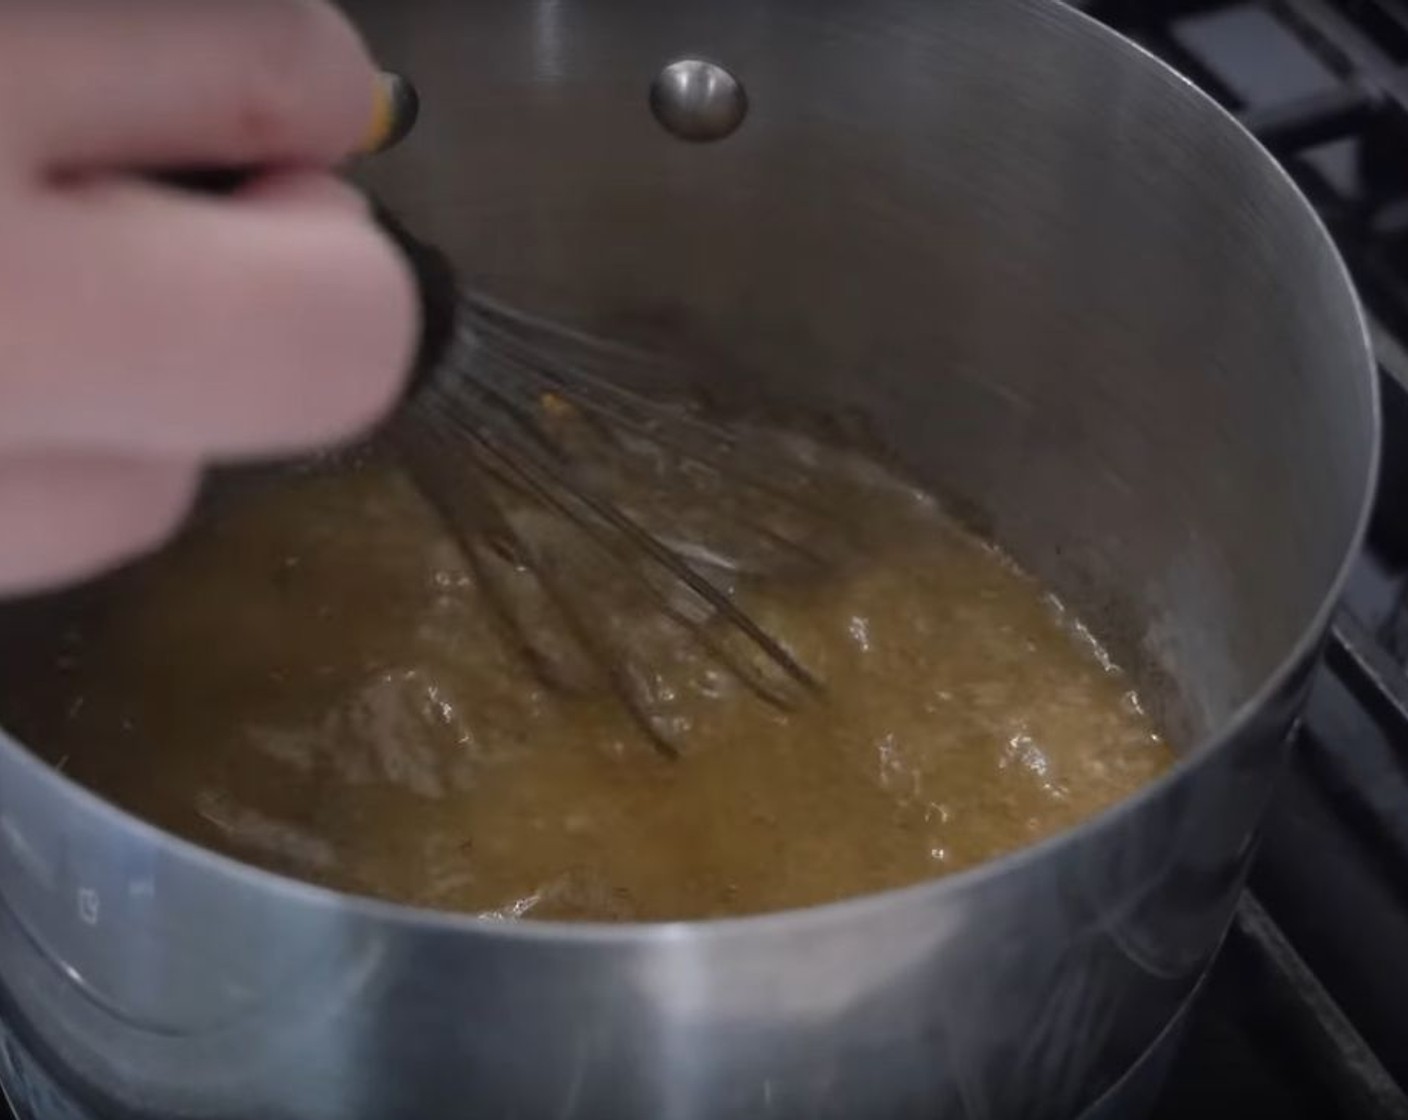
718,450
554,488
481,421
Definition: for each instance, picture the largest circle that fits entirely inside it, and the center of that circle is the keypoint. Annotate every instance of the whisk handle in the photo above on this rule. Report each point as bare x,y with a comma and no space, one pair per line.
437,291
395,110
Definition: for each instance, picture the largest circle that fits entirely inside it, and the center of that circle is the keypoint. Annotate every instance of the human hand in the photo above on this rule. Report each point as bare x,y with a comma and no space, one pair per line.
146,331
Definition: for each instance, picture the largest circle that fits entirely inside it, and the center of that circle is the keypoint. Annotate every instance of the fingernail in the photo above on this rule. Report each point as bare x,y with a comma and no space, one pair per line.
395,107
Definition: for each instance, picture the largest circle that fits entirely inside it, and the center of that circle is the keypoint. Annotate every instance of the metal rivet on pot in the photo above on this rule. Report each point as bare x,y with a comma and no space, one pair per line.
698,100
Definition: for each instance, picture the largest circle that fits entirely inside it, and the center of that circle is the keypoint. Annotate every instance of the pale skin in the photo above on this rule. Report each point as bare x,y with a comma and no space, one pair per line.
147,332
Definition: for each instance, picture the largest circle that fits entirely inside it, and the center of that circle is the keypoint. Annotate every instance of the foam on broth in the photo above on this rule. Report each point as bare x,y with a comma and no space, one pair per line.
311,681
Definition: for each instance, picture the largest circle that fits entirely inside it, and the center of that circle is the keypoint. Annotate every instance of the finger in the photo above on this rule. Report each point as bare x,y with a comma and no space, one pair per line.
190,327
306,190
178,83
68,519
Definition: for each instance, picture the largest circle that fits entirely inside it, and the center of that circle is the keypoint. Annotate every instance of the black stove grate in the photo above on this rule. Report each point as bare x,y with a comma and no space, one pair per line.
1268,1040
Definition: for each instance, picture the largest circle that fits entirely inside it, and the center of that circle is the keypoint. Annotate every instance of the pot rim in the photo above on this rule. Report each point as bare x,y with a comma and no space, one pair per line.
616,934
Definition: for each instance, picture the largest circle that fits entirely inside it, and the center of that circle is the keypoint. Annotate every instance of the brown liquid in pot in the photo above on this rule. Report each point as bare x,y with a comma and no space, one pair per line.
310,682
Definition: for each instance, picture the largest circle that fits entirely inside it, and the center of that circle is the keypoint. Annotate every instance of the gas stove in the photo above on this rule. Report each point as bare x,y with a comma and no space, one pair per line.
1306,1012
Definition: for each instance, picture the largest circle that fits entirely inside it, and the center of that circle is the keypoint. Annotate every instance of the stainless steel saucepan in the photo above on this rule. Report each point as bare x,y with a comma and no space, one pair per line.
1062,287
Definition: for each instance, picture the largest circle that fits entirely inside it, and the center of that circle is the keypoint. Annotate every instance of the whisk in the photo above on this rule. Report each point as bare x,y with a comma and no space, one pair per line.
561,485
560,482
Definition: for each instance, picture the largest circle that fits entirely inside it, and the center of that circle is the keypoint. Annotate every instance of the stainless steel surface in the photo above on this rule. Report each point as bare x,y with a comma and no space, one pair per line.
1057,283
698,100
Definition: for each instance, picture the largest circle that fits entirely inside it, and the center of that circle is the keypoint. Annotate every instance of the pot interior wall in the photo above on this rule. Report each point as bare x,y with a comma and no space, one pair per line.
1108,330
